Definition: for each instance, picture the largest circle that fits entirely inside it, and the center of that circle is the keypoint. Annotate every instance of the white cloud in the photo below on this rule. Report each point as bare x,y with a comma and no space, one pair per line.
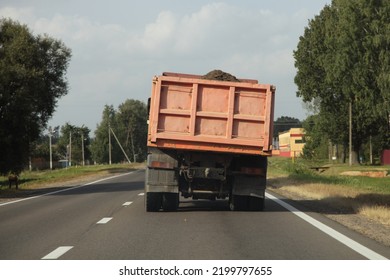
25,15
216,28
158,34
113,62
195,30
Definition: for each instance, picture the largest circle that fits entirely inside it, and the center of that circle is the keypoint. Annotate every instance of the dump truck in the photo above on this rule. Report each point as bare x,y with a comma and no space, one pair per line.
208,139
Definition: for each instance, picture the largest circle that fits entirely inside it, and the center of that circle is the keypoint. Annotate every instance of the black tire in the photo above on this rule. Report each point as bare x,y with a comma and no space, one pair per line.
237,202
153,201
170,201
256,203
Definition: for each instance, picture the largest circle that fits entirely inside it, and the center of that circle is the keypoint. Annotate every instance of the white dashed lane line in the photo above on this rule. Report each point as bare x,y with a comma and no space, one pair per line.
141,194
105,220
57,253
63,249
65,190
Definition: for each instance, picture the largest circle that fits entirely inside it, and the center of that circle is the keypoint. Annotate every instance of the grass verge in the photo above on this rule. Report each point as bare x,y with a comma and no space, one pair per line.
332,192
39,179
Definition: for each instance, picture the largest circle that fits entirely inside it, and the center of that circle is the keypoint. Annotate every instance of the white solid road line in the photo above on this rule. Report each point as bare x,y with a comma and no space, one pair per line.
57,253
68,189
104,220
127,203
357,247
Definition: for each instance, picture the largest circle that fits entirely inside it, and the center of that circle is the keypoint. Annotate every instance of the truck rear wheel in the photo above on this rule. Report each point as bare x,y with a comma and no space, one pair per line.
237,202
246,203
170,201
153,201
256,203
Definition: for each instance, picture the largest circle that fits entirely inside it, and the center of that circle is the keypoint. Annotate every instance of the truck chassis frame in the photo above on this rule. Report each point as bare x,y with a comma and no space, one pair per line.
169,173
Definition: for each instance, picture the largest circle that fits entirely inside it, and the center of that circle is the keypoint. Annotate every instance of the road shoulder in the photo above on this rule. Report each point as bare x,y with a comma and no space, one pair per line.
357,222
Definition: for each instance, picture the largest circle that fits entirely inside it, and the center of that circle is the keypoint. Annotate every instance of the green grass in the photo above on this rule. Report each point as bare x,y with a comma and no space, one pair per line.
299,170
329,192
29,179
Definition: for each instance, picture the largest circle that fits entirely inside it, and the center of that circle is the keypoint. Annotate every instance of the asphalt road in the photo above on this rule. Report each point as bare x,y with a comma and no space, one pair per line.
106,220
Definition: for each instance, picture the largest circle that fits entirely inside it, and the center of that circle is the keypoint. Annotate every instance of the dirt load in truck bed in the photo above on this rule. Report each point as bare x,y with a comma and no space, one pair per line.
220,76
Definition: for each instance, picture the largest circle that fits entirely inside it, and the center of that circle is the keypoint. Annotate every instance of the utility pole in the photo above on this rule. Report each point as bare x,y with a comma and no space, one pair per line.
50,151
132,146
119,143
70,149
350,133
51,158
371,157
82,147
109,143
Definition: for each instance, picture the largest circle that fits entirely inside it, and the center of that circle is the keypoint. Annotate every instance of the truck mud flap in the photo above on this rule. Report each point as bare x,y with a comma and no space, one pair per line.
245,185
161,172
161,182
248,193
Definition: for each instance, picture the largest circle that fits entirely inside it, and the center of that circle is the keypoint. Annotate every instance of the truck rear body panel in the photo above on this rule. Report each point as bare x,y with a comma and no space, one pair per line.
190,113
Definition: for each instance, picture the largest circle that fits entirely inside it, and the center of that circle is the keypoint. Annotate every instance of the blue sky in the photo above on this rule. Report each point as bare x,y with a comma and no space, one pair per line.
118,46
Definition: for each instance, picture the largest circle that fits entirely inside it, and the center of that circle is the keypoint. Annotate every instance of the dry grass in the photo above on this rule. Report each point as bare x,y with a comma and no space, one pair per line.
378,213
337,198
360,203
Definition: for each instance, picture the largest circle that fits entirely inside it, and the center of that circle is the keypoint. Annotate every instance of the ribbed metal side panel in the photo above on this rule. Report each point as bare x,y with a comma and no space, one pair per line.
159,177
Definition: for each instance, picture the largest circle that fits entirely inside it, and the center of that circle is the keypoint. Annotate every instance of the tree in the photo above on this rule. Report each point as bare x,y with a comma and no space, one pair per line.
316,146
74,141
343,58
129,123
132,125
99,147
32,79
40,151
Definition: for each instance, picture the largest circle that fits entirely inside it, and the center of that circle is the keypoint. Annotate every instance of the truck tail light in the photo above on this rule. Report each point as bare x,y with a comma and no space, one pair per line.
253,171
162,165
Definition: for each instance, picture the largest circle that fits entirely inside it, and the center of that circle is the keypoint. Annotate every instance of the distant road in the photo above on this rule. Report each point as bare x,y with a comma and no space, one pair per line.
106,220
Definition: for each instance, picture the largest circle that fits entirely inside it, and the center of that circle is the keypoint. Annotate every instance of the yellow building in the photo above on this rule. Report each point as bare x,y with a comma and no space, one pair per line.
291,142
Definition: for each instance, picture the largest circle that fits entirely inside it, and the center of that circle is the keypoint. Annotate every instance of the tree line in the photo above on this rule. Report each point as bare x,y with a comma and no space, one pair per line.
126,126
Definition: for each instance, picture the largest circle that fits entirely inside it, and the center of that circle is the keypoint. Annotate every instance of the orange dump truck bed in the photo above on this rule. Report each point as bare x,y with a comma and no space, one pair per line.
191,113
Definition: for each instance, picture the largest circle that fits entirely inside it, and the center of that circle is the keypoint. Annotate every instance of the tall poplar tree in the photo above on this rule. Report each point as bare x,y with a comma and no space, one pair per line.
343,58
